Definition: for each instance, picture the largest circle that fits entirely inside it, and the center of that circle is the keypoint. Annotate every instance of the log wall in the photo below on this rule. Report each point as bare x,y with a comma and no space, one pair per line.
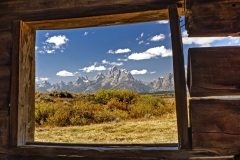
214,71
204,18
215,125
213,18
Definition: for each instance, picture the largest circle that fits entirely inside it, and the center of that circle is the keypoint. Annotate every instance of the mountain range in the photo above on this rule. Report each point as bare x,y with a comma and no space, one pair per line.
114,79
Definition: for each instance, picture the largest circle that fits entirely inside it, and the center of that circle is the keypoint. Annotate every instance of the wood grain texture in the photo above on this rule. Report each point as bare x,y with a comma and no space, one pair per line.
179,79
105,20
14,85
5,41
22,85
5,58
4,131
26,99
5,76
103,152
5,25
215,125
64,9
214,71
213,18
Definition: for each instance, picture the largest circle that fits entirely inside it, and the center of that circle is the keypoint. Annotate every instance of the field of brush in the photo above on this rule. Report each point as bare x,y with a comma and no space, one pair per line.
107,116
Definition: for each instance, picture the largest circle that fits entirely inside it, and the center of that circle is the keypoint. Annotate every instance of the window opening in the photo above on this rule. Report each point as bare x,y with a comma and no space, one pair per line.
105,85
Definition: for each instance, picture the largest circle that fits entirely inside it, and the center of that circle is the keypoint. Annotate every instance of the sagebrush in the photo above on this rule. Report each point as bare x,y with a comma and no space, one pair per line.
62,108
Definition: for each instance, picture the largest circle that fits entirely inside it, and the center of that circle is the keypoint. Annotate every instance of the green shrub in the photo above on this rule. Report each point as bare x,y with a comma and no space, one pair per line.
103,106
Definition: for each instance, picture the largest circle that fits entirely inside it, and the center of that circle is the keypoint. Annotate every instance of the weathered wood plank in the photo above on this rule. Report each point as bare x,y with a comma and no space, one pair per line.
14,85
5,41
62,9
105,152
215,125
5,76
4,100
3,113
5,25
179,79
5,79
213,18
5,58
21,5
4,131
214,71
26,84
105,20
22,85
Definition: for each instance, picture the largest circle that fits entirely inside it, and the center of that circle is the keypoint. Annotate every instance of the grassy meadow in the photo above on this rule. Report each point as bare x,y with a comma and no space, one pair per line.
107,116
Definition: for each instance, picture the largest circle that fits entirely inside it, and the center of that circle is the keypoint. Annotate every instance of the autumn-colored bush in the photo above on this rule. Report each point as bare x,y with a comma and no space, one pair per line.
102,106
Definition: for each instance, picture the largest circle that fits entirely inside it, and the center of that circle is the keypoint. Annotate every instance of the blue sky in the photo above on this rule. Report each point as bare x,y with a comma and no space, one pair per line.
144,49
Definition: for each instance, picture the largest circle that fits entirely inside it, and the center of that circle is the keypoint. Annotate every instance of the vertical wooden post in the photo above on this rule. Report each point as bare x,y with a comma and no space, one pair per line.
14,84
179,79
22,103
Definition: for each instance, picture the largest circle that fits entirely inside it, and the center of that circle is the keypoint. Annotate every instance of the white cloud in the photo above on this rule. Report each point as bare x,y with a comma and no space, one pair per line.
92,68
112,63
202,41
141,35
133,72
118,51
140,42
41,52
58,41
111,52
163,22
36,47
46,35
65,73
151,53
153,72
126,50
119,59
50,51
85,33
147,43
184,34
205,45
234,40
158,37
37,79
54,43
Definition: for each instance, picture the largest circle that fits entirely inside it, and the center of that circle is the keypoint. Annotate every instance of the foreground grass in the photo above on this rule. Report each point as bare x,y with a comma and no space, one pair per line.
152,130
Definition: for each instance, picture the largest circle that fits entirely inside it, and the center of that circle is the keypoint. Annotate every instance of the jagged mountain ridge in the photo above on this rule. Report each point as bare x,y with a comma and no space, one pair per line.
113,79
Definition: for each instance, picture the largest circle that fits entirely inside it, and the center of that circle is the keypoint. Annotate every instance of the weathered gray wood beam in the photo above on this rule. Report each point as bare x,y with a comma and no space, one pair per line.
179,79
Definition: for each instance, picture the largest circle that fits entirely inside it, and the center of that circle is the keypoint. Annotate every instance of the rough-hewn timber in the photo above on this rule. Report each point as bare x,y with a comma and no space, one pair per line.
104,20
215,125
91,152
4,131
213,18
179,79
214,71
62,9
5,41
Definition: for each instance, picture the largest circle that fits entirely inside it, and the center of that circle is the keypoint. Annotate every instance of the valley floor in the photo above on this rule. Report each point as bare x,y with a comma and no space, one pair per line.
146,130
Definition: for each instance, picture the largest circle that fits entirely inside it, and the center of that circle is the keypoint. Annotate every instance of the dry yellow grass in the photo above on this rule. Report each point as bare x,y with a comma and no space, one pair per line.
149,131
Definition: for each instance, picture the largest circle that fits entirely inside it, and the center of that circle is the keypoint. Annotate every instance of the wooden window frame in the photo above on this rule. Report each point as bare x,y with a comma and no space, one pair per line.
23,89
